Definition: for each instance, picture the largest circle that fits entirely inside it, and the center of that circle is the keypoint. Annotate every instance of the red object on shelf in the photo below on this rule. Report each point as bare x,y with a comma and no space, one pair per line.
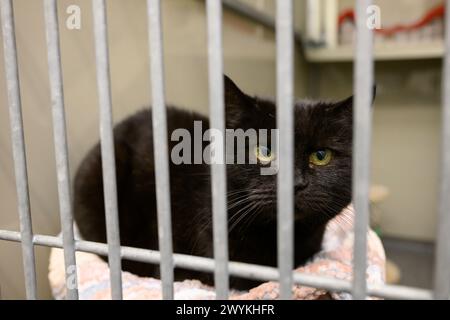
435,13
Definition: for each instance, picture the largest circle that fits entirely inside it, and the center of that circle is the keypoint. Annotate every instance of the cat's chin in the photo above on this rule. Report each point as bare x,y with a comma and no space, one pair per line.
298,217
310,216
302,210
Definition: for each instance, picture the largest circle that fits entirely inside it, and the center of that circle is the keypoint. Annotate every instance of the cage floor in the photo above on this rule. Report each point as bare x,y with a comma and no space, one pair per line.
414,258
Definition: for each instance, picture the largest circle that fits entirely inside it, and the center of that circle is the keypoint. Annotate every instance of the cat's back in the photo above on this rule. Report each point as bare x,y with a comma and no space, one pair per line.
134,157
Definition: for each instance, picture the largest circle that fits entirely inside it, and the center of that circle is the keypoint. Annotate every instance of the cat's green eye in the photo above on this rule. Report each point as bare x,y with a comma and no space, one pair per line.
321,157
264,154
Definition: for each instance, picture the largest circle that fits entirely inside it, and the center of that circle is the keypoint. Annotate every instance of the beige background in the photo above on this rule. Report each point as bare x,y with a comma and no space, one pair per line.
406,117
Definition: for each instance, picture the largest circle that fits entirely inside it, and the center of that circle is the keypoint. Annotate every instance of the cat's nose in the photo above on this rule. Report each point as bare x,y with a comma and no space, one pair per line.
300,184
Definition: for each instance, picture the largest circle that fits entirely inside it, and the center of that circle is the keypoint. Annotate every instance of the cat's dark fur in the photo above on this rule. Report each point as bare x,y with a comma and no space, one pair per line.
320,192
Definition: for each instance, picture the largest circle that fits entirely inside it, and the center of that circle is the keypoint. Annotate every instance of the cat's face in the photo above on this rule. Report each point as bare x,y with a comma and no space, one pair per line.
323,158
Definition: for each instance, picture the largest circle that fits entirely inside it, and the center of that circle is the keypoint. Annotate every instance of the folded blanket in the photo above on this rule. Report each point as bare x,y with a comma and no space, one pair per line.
335,260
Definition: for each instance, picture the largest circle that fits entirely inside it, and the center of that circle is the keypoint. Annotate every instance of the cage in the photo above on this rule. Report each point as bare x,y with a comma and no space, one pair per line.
286,38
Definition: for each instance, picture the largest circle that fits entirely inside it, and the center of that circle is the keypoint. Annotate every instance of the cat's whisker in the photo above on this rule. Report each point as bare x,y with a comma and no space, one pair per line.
253,215
341,218
242,216
339,223
242,211
231,192
238,202
236,195
236,214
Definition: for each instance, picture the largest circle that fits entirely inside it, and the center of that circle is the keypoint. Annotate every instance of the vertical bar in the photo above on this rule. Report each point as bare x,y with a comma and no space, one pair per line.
442,267
60,141
362,131
218,169
285,125
313,23
159,122
107,147
18,146
331,23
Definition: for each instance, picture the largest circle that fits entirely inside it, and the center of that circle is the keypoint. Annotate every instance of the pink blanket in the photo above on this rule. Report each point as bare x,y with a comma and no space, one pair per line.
335,260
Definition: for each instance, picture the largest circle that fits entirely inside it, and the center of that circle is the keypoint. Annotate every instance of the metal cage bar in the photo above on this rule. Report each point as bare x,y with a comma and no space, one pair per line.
107,146
60,141
442,266
159,121
285,125
362,131
246,270
218,168
18,146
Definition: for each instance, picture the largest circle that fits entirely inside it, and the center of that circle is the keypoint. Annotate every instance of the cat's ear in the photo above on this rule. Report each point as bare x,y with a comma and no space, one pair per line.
349,101
341,109
236,103
234,97
347,104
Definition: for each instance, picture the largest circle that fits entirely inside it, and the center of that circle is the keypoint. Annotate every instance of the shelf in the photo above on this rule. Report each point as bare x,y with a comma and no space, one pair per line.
382,52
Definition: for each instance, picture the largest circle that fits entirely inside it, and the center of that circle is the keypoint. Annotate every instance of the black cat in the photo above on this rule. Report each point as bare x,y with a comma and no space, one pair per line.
323,174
